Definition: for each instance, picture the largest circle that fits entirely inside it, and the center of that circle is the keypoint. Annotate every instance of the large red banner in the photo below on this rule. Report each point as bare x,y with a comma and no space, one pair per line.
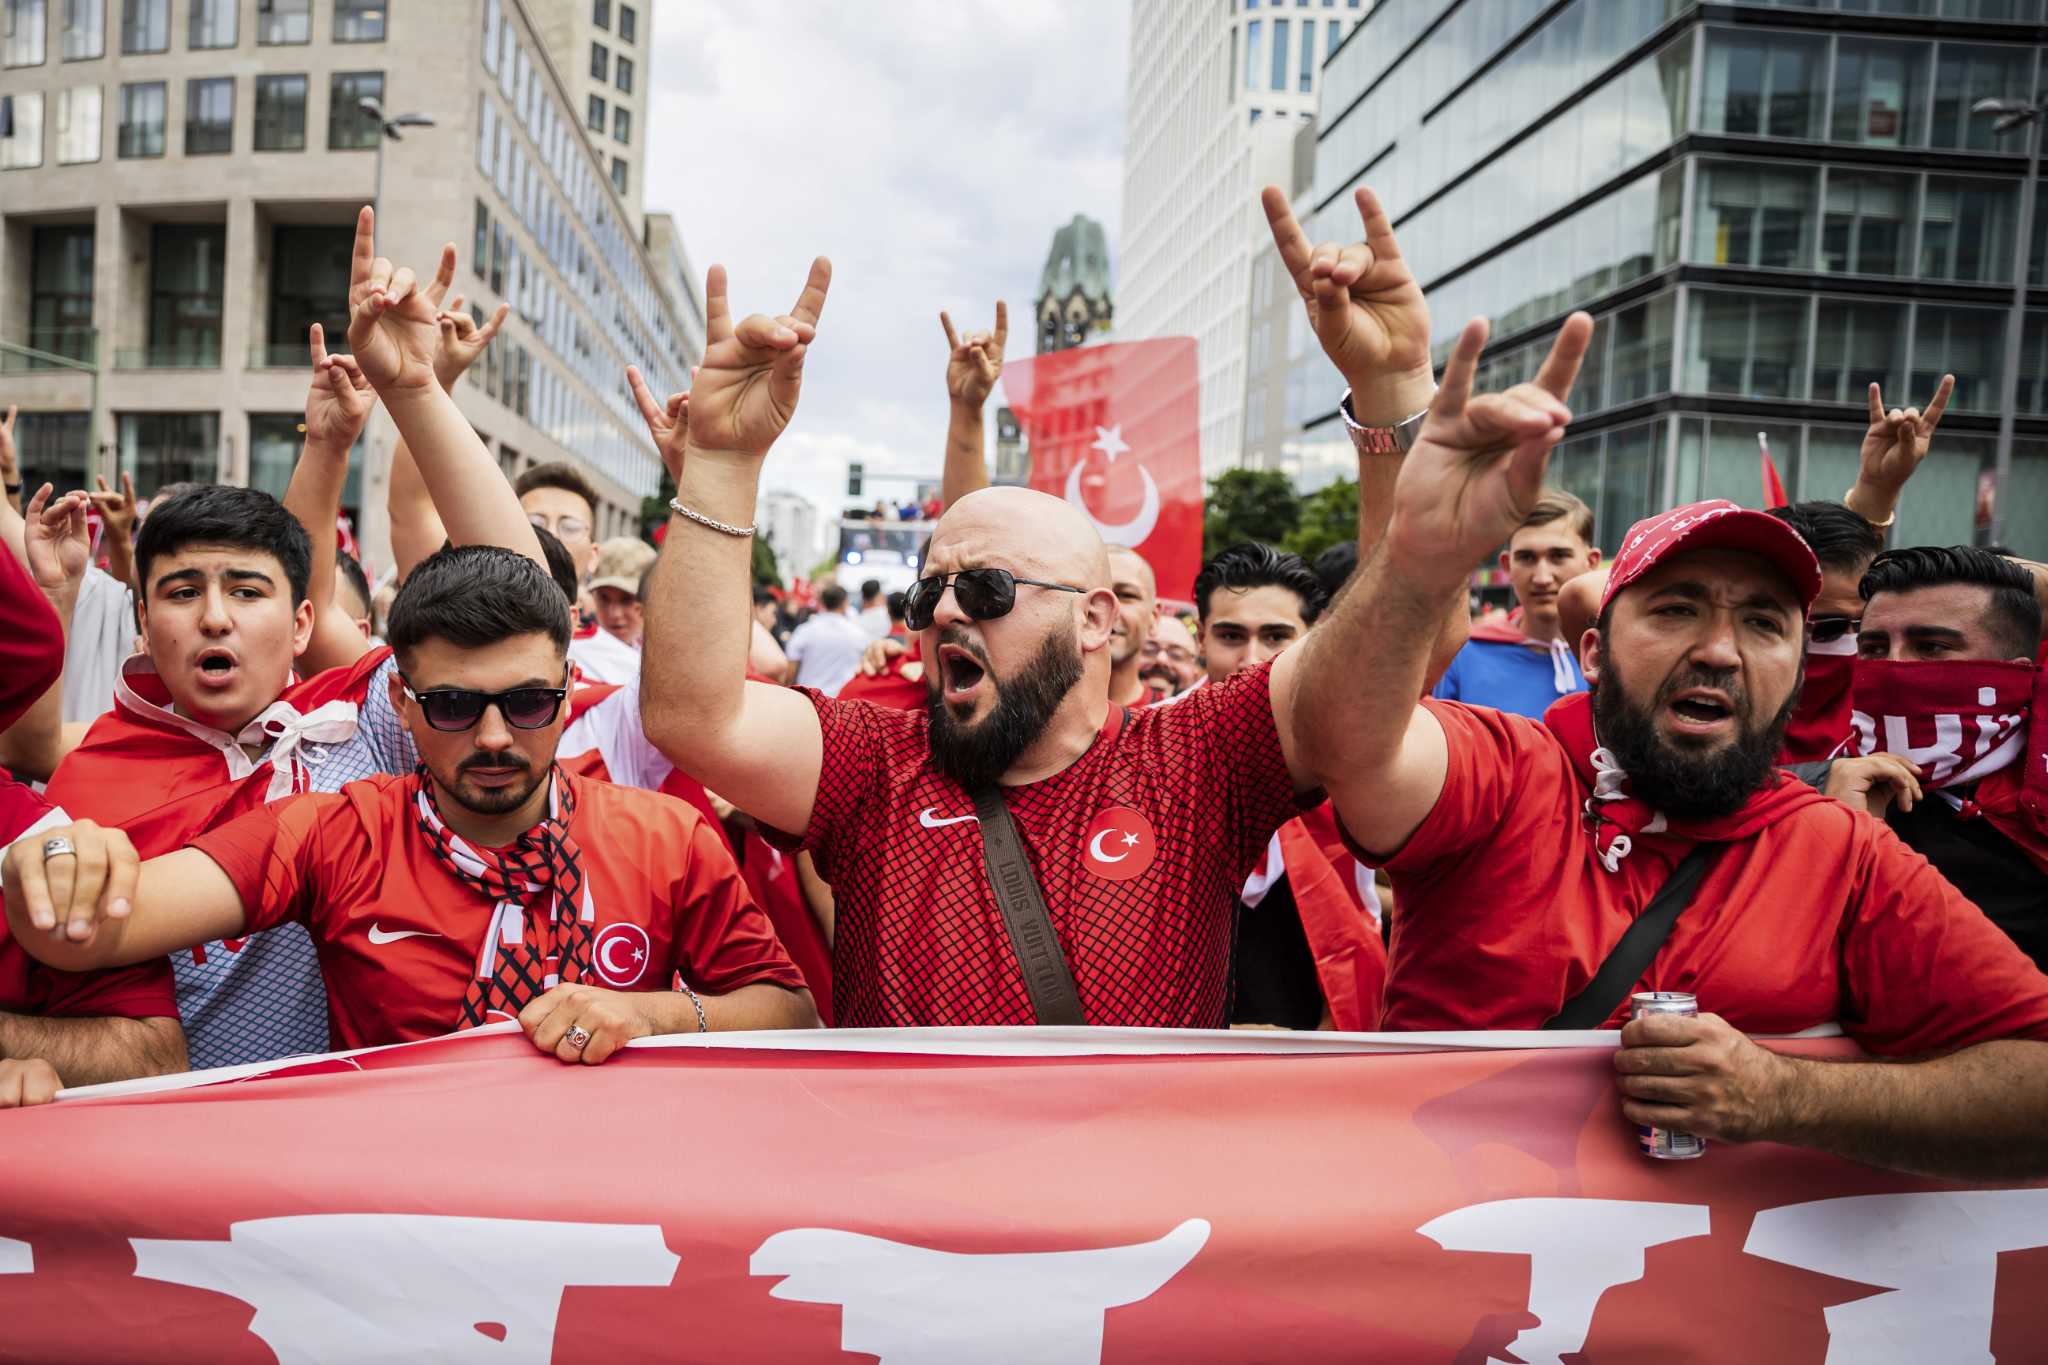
896,1196
1116,430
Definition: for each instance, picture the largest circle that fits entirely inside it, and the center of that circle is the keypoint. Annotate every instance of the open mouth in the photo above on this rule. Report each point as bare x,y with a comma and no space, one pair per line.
960,673
1700,709
217,667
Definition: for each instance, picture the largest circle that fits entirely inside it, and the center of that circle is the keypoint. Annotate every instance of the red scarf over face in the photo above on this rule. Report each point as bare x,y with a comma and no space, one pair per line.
1819,727
1619,822
1962,722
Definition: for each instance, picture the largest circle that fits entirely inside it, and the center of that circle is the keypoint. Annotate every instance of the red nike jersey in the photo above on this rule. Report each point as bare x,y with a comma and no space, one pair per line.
398,933
1140,847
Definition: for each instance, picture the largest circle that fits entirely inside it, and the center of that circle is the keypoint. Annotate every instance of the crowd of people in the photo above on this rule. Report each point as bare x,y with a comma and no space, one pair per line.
607,792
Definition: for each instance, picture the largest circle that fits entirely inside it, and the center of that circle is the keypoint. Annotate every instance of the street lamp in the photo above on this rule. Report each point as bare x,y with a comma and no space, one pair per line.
388,128
2011,114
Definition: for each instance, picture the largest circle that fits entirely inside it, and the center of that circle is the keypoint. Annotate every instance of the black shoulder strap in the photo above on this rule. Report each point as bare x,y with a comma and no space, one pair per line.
1631,957
1047,977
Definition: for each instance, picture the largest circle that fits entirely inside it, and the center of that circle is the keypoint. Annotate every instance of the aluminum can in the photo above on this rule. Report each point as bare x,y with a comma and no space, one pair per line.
1663,1143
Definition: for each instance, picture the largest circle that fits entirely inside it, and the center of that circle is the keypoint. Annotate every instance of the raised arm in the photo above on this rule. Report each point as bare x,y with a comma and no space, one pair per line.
1470,479
55,549
756,745
1893,448
394,330
102,906
338,403
973,364
117,518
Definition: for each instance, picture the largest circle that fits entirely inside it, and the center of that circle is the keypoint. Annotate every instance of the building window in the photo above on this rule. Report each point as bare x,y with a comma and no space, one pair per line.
60,290
1254,37
622,124
142,119
629,25
281,113
211,23
601,13
51,446
1254,116
309,272
1753,215
1765,86
1966,342
1880,93
360,21
600,62
209,116
284,22
1308,56
1969,74
21,131
594,115
1967,230
1859,344
27,24
1282,30
1230,71
1333,33
187,263
163,448
78,125
618,175
1750,345
480,246
85,29
622,75
348,127
145,25
1868,223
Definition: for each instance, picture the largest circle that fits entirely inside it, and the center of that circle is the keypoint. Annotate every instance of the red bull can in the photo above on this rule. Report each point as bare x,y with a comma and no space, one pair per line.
1663,1143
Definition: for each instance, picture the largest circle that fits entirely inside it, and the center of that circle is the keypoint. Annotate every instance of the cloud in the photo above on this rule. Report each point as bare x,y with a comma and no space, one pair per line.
930,149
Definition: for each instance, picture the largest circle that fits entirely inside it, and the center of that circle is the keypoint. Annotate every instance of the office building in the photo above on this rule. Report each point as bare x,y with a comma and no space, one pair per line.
601,48
1274,319
1765,206
789,522
178,192
1203,78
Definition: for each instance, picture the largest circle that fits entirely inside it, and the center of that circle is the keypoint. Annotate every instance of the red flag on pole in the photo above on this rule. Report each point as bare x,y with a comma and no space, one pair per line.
1774,487
1115,430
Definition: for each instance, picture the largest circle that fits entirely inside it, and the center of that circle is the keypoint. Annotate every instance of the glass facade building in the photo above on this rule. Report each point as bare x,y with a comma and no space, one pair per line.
1765,206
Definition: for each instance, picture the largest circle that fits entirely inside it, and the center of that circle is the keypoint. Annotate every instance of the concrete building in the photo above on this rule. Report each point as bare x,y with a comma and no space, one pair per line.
1283,156
1202,79
602,49
179,181
1765,206
664,243
789,523
1074,304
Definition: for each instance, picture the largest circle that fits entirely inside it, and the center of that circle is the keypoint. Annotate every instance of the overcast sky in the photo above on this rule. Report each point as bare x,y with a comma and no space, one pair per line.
929,147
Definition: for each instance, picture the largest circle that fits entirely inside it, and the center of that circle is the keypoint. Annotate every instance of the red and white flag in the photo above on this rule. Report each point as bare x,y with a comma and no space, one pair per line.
1116,430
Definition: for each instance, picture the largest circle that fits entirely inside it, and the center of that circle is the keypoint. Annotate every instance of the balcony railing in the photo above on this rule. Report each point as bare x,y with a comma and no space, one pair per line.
183,355
48,348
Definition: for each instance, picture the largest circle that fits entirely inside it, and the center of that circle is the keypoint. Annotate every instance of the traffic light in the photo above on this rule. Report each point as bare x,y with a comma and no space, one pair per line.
853,473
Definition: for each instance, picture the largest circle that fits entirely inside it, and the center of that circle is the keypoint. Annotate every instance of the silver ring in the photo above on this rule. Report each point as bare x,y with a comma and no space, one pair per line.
59,847
577,1037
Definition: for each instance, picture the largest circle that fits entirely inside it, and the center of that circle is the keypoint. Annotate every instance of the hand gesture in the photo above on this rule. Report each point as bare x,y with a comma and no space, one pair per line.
117,510
392,325
339,402
1871,783
1897,441
975,361
747,385
57,544
1365,307
1478,463
668,423
1700,1075
462,340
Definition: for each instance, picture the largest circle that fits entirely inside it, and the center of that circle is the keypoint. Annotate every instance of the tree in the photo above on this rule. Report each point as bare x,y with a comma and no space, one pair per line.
1329,516
767,572
654,513
1249,504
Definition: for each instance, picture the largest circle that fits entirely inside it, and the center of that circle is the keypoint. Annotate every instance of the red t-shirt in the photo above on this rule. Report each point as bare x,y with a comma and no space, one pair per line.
1503,912
1139,846
398,933
900,685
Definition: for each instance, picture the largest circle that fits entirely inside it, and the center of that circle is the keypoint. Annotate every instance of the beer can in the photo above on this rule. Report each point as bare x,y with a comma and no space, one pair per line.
1663,1143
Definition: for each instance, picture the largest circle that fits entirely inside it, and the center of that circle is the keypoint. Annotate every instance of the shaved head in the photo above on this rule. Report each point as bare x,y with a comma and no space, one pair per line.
1019,527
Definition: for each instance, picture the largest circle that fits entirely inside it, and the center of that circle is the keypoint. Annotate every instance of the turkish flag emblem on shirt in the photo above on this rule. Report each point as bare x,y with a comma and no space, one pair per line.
1115,430
1120,844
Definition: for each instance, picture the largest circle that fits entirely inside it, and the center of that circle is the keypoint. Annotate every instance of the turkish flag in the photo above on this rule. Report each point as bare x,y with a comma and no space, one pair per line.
1115,430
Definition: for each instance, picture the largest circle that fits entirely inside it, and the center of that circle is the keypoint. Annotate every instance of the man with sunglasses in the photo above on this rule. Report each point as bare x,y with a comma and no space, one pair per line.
489,885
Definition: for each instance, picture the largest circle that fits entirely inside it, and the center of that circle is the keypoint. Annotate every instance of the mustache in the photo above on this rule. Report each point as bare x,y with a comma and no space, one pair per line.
1719,680
508,759
958,637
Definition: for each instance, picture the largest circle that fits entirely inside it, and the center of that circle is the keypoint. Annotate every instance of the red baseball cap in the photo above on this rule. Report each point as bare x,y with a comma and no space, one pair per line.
1714,524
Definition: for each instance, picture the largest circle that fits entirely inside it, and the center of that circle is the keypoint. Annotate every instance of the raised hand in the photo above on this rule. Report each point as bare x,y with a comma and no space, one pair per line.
668,423
975,361
1897,441
58,545
1478,462
393,326
1365,307
747,385
117,510
462,340
339,401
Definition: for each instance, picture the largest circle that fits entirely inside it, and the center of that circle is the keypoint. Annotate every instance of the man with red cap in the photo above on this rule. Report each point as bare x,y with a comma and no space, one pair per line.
1522,853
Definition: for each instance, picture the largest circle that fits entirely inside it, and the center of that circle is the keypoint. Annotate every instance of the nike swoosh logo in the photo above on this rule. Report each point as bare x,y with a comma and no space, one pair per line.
931,821
380,935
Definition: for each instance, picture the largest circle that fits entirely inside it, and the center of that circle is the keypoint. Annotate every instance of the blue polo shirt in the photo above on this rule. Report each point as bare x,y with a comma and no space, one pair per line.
1508,677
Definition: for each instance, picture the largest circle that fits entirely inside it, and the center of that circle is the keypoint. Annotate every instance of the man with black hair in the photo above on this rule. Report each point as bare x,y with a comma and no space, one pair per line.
561,498
1253,601
352,591
874,613
1335,566
827,648
1525,663
1947,691
1844,543
489,885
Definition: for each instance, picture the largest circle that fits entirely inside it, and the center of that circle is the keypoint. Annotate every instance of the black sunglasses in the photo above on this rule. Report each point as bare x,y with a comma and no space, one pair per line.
984,594
456,709
1827,629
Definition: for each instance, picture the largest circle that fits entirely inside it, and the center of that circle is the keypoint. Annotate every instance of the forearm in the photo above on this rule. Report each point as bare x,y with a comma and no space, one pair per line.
1875,503
90,1051
1377,475
121,562
314,497
966,467
759,1006
416,529
34,745
1977,1114
698,630
468,490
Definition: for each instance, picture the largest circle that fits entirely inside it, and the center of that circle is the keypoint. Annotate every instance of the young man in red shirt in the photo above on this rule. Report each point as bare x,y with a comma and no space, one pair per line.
489,885
1521,852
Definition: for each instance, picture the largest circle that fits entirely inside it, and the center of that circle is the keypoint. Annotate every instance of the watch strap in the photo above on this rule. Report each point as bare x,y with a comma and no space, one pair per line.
1397,439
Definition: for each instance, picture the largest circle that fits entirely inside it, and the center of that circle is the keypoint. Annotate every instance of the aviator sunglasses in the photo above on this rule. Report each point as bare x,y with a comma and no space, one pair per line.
455,709
984,594
1823,630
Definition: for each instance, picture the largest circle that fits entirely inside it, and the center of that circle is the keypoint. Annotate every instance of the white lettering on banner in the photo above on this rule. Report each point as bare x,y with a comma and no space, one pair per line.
16,1258
1578,1249
1937,1252
911,1305
1941,758
389,1286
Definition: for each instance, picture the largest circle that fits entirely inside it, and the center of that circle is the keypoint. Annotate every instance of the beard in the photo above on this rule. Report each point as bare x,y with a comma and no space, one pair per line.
1163,676
977,754
1683,782
492,800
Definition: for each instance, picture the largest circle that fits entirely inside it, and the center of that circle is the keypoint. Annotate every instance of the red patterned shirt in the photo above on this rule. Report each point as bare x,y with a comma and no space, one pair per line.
1139,846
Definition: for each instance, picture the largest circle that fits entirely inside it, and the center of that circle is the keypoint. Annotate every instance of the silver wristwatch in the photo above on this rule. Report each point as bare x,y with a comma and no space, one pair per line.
1397,439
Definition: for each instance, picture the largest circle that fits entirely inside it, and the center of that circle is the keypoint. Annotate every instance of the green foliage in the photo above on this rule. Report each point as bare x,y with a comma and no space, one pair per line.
766,571
1328,516
654,512
1249,504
